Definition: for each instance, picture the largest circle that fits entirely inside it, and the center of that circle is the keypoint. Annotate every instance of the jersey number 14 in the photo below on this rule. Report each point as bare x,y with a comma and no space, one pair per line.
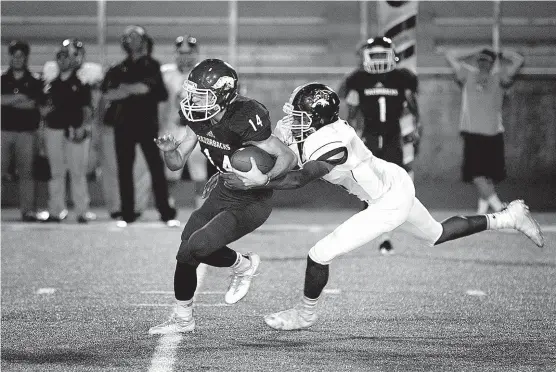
226,165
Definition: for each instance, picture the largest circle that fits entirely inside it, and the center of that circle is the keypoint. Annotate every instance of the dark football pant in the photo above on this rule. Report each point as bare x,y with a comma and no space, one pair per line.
217,223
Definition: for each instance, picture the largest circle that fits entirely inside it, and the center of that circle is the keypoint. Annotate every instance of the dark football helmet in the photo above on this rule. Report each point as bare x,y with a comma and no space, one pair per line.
211,86
75,50
310,107
378,55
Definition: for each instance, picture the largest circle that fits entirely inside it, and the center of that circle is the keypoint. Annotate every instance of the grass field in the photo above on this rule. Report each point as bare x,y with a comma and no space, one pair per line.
81,298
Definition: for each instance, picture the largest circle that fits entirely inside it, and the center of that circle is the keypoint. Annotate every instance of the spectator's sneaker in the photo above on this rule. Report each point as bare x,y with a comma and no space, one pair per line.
524,222
85,218
43,216
288,320
386,248
57,218
173,223
29,217
239,286
175,324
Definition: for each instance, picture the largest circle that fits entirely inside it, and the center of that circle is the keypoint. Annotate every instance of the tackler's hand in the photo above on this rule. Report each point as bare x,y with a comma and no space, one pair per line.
167,142
232,181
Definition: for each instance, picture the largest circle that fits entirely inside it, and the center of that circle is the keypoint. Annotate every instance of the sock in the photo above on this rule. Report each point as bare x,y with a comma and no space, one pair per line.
495,202
499,220
459,226
184,309
309,304
316,277
185,281
224,257
242,263
482,206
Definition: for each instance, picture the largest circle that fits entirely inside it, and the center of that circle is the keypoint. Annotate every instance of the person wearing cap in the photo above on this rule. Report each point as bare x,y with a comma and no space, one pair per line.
21,95
483,79
174,74
134,89
68,118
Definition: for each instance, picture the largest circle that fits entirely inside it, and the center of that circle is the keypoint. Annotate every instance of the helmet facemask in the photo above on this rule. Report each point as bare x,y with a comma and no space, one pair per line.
296,125
199,104
379,60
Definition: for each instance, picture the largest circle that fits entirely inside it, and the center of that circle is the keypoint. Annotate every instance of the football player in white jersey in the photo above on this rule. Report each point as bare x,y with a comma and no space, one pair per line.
174,74
328,148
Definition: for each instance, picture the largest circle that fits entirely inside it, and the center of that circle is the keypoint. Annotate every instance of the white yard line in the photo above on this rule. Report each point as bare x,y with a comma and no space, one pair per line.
107,226
165,353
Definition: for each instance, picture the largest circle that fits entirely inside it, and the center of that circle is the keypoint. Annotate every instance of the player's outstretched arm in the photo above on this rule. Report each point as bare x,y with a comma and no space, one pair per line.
285,157
311,171
294,179
176,151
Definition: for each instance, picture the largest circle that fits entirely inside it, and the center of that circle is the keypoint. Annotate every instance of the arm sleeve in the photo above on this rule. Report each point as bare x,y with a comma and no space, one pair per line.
253,123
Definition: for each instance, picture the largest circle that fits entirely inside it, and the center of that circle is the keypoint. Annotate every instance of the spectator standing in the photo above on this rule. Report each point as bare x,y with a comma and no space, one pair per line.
134,89
483,81
68,116
21,94
174,75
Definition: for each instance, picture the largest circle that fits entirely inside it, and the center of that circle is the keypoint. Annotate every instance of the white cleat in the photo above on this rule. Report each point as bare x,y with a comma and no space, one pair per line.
175,324
524,222
239,286
291,319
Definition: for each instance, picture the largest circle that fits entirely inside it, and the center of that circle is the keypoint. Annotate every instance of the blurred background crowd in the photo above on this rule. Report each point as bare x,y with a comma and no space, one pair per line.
64,67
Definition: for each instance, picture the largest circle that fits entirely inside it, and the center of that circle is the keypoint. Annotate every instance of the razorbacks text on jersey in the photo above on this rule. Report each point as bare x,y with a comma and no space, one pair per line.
356,169
380,98
245,120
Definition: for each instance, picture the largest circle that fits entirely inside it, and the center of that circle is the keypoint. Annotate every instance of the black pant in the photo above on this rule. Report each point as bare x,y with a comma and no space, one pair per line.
219,222
125,142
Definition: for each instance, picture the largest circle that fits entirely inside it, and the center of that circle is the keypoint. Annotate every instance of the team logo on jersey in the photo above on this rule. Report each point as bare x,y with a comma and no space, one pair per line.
226,82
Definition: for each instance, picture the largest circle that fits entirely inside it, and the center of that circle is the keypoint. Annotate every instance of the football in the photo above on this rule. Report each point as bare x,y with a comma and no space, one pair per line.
240,159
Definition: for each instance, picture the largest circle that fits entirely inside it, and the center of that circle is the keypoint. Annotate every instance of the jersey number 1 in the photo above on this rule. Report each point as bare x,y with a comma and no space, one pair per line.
225,162
382,109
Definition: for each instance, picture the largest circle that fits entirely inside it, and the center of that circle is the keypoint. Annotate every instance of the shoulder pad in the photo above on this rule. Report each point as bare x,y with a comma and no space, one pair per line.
320,146
90,73
50,71
168,67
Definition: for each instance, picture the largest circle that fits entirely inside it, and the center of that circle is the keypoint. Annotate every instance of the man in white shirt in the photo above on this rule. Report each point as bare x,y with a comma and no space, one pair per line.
483,85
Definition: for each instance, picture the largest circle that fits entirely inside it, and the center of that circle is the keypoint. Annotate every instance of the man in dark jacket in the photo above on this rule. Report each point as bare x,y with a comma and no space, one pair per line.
134,88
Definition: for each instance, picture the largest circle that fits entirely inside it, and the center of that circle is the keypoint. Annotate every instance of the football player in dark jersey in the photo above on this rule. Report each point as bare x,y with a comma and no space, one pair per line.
377,95
221,121
328,148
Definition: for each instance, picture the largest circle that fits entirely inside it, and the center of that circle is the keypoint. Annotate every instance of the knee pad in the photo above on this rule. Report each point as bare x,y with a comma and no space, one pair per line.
185,255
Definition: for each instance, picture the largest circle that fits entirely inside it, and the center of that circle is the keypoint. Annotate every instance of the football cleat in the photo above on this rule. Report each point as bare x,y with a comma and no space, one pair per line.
291,319
240,283
524,222
175,324
386,248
